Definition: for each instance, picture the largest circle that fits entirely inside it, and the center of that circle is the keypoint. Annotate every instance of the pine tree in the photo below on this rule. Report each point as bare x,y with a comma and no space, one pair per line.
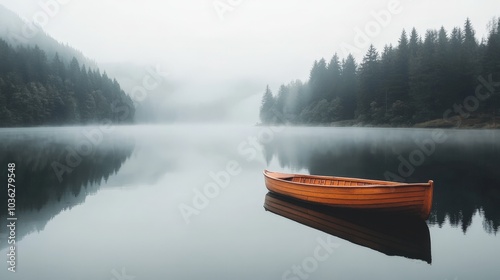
334,73
348,88
294,101
402,70
423,79
267,104
469,65
369,84
491,68
318,81
414,43
280,102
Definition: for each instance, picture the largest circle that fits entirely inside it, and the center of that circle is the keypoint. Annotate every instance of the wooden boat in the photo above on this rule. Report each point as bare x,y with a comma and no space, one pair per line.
401,236
413,199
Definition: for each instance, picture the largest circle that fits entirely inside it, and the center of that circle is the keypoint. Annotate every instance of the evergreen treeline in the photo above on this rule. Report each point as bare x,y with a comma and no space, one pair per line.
37,90
416,81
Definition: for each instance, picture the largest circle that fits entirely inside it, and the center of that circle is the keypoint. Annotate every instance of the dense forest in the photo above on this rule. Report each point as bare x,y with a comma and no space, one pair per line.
39,90
441,76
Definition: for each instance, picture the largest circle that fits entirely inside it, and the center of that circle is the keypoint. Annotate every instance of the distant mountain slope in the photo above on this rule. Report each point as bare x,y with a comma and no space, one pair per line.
43,82
16,31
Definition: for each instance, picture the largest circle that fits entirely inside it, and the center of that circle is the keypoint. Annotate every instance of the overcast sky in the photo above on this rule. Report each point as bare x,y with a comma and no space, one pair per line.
263,41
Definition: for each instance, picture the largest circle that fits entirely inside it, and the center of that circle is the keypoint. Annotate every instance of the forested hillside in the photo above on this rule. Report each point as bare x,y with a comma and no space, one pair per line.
36,89
435,76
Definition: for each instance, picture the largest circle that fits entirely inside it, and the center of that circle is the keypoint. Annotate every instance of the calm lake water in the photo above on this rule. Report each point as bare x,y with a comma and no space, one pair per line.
187,202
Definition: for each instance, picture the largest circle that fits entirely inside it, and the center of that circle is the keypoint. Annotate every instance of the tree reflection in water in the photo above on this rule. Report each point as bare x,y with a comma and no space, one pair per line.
40,195
464,167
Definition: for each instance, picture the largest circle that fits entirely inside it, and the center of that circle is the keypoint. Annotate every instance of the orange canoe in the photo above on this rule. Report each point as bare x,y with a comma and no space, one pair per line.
414,199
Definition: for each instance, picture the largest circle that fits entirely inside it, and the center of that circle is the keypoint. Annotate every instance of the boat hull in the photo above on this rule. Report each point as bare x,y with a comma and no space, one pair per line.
412,199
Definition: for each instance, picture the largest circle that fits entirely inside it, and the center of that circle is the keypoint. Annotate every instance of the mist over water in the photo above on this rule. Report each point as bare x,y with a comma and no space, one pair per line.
123,200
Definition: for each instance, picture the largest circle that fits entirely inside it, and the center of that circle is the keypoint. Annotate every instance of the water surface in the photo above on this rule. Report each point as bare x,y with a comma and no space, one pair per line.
187,202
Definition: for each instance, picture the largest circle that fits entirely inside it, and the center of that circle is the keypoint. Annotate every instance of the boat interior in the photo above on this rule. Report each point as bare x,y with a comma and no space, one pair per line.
325,182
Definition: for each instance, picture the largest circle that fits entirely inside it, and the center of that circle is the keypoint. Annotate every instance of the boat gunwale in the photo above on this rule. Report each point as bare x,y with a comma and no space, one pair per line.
375,185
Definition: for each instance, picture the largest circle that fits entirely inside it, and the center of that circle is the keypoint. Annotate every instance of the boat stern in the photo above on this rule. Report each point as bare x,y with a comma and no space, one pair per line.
426,211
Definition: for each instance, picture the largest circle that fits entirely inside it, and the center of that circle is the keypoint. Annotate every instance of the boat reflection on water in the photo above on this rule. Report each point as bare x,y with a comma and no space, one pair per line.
389,234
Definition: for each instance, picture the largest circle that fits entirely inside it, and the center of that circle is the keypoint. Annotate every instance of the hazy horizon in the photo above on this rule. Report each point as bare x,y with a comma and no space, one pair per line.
230,50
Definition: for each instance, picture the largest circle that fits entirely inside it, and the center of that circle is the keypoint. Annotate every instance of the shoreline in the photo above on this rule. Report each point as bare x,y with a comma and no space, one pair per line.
480,122
454,123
